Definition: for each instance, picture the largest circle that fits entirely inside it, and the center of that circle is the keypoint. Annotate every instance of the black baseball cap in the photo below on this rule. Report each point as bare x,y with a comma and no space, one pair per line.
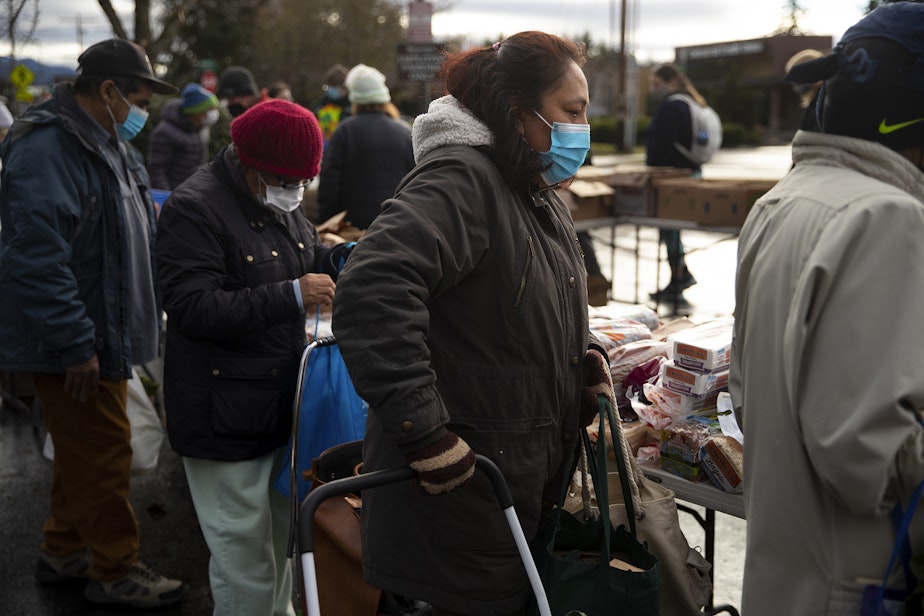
874,78
118,57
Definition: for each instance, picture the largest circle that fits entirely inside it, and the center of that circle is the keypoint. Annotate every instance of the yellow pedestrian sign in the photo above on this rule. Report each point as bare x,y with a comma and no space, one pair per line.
21,77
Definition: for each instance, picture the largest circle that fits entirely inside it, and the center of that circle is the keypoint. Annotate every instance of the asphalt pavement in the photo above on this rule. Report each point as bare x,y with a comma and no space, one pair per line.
171,542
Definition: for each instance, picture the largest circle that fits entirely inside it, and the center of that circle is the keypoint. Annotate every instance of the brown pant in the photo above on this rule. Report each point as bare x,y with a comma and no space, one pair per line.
91,476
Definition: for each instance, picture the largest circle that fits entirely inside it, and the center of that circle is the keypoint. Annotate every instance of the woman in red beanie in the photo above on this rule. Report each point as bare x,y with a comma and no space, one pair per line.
472,280
238,264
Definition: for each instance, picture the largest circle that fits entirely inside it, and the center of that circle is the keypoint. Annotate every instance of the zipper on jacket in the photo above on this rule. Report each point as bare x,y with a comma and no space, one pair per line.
530,255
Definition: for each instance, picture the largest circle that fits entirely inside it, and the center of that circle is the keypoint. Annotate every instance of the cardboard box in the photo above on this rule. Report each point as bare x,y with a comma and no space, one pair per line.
677,198
634,188
588,199
691,383
703,348
591,173
719,203
728,203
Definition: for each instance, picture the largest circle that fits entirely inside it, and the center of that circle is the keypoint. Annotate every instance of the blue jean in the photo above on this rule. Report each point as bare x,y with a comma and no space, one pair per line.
675,254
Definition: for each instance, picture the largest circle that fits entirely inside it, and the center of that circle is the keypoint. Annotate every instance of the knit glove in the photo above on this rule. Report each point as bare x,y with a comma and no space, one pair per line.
596,381
444,465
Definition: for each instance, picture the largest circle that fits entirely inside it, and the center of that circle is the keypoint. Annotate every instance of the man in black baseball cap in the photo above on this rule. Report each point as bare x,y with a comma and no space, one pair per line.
121,58
79,310
873,79
828,344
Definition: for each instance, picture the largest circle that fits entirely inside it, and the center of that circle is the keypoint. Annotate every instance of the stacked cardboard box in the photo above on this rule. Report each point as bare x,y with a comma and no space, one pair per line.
721,203
587,199
634,187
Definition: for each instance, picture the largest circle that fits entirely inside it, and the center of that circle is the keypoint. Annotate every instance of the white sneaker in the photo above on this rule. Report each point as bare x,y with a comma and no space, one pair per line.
141,587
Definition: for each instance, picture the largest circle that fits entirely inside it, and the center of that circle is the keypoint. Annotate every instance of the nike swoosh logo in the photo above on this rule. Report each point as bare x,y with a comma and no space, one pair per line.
885,129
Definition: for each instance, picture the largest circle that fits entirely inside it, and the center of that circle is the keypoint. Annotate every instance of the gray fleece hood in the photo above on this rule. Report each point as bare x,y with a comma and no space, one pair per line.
448,122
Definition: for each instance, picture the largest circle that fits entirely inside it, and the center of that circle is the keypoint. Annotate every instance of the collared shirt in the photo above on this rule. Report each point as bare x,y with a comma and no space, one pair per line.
142,309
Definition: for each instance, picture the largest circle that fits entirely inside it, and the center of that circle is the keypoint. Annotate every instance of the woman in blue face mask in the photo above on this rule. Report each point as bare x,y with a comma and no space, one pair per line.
469,292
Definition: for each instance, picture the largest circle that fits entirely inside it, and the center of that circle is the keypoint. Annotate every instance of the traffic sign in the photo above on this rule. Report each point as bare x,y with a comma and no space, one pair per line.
209,80
21,76
420,61
420,19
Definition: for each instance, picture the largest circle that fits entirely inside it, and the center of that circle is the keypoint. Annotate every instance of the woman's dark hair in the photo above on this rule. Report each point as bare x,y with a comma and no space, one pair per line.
497,82
670,72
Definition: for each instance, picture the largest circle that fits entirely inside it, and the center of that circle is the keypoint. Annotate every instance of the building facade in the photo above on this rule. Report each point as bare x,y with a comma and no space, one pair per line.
743,80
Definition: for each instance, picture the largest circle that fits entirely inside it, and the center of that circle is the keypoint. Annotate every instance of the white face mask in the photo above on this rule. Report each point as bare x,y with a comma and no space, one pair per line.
283,200
211,116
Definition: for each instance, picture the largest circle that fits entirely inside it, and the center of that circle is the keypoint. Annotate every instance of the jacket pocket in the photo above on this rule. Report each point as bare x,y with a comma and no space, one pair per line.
472,517
249,395
263,263
525,263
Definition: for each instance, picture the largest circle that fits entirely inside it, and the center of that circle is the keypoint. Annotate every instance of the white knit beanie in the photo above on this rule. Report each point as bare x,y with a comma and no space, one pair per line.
367,86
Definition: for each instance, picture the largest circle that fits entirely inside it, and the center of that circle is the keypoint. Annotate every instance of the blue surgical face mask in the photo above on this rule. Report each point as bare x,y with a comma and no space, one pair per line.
334,92
134,121
570,144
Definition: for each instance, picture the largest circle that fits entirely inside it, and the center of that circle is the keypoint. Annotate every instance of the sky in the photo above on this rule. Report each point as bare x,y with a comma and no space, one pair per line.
654,27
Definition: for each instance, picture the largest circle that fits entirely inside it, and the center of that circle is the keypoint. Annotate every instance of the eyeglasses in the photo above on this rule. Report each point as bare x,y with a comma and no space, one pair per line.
287,183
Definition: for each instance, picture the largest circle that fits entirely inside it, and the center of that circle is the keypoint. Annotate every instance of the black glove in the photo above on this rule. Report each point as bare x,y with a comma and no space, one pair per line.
337,257
444,465
596,380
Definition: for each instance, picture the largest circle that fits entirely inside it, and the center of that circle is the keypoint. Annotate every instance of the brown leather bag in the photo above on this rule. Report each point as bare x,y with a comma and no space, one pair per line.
337,546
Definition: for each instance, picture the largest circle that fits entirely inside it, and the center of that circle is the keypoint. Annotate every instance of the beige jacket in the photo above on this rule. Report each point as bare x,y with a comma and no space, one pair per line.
828,372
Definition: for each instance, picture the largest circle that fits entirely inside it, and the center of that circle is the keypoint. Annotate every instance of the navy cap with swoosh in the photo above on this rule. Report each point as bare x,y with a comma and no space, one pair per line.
902,23
873,80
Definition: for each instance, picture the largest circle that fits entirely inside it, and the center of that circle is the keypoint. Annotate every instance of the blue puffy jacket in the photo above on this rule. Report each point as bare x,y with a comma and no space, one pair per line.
64,291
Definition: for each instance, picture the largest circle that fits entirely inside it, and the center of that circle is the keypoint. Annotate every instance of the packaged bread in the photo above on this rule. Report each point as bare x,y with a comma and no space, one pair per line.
681,444
705,347
722,458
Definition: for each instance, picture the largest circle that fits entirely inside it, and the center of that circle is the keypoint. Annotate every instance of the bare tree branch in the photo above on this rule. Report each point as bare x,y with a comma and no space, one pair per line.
117,28
143,22
12,12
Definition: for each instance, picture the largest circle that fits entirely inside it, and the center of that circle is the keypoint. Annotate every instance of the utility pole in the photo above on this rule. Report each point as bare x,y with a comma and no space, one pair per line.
79,23
623,104
80,27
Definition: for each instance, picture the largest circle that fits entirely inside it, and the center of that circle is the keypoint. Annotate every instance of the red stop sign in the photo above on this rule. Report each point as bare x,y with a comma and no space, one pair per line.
209,80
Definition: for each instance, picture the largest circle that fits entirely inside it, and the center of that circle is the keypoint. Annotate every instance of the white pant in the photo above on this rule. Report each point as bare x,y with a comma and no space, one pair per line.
246,527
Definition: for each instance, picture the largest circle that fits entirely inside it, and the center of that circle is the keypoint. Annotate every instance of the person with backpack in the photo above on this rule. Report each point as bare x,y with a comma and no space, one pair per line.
671,143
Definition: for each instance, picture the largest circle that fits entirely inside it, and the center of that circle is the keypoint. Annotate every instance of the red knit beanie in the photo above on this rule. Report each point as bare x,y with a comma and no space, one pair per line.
279,137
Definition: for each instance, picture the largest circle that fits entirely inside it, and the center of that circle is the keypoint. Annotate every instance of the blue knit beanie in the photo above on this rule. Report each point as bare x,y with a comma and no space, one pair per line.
197,99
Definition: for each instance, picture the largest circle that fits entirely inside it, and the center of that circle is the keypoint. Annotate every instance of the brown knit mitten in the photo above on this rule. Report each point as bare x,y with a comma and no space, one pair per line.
597,380
445,465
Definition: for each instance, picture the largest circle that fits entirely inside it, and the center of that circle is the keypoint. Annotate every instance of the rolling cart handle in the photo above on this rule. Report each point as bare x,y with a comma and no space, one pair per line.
385,477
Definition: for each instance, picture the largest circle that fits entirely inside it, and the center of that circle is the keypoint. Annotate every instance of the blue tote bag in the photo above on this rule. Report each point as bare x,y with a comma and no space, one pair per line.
327,412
